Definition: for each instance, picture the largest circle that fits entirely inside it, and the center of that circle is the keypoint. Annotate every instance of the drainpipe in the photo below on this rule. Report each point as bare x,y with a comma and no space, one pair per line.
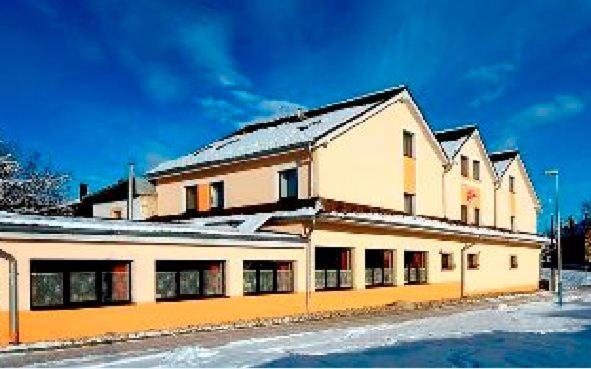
130,187
309,236
13,325
446,168
496,188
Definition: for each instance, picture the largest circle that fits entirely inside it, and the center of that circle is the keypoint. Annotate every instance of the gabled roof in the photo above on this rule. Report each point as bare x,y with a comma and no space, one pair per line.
452,140
501,161
279,135
119,191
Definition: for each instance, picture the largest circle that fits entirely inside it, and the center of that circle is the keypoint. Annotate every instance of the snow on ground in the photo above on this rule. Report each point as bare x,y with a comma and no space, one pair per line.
532,334
571,278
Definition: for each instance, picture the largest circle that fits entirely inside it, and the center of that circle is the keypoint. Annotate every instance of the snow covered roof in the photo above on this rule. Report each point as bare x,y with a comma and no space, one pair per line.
11,222
452,140
501,161
435,225
283,134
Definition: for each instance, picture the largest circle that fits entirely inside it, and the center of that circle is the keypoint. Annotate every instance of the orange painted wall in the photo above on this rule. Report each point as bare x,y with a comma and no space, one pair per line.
69,324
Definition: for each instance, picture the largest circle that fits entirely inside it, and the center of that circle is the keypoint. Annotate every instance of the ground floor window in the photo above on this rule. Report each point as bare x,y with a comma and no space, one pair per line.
333,268
79,283
513,262
447,261
379,268
267,277
188,279
473,261
415,267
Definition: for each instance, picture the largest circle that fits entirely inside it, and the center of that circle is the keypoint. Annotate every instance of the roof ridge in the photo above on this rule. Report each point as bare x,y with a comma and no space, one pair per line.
449,130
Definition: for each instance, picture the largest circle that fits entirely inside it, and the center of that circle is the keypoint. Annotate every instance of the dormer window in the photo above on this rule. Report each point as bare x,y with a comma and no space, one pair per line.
288,184
408,144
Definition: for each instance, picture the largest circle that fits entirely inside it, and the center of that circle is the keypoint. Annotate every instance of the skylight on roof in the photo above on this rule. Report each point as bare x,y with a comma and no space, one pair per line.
303,127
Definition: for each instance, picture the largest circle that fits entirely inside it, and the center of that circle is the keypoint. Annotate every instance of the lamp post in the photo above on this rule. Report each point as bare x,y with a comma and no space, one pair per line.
554,173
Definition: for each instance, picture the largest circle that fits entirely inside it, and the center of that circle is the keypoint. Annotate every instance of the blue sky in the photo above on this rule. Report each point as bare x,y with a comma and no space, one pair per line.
93,85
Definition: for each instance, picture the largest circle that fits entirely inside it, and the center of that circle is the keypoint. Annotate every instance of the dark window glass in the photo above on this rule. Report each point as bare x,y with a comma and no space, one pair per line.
464,214
473,261
191,198
333,268
267,277
288,184
188,279
379,268
415,267
79,283
216,193
464,164
447,262
408,144
409,203
513,262
476,216
512,223
511,184
476,169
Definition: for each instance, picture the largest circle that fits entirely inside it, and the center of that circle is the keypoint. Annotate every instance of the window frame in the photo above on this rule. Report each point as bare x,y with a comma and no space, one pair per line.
451,265
476,170
413,206
512,223
178,266
513,262
476,216
258,266
282,173
408,144
68,266
219,187
465,166
194,202
473,264
511,184
464,214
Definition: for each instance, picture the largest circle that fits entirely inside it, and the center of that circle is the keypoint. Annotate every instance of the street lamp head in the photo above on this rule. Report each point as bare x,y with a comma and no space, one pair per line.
552,172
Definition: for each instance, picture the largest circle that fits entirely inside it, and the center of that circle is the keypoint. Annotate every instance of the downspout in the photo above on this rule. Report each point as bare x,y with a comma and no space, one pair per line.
496,188
446,168
309,233
13,324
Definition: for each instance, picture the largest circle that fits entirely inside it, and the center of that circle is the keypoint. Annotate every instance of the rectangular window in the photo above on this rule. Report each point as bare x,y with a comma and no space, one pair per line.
267,277
409,203
464,164
476,216
511,184
216,195
191,198
333,268
379,268
415,267
512,223
288,184
513,262
408,144
79,283
188,279
464,214
447,261
476,170
473,261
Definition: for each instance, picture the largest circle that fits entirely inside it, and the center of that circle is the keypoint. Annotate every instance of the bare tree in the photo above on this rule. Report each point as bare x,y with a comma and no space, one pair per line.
28,187
586,207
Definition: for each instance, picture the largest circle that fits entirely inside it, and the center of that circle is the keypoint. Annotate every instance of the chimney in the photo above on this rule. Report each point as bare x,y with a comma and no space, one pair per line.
83,190
300,114
130,192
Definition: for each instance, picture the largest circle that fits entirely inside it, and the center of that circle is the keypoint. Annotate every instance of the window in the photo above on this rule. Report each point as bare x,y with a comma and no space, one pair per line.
267,277
379,268
512,222
117,214
79,283
409,203
447,261
333,268
511,184
513,262
415,267
408,144
476,170
476,216
191,198
288,184
473,261
188,279
464,164
464,214
216,195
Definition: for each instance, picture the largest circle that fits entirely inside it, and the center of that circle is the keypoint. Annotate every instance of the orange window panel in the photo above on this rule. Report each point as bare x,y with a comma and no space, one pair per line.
203,200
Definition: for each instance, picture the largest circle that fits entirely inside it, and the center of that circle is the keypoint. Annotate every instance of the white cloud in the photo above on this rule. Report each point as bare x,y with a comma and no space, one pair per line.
492,81
560,107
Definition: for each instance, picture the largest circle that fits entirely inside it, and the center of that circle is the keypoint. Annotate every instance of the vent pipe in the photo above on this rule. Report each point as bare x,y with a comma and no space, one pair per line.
130,192
83,190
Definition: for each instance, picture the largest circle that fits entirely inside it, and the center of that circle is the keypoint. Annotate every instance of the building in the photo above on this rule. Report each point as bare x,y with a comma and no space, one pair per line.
353,204
576,243
111,202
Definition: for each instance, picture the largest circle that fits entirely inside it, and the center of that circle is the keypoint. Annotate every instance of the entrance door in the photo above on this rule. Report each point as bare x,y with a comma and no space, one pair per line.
415,267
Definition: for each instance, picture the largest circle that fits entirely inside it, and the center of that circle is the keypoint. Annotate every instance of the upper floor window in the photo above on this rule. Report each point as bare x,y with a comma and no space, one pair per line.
464,214
288,184
464,164
191,198
476,216
512,222
216,195
513,262
473,261
476,170
409,203
511,184
408,144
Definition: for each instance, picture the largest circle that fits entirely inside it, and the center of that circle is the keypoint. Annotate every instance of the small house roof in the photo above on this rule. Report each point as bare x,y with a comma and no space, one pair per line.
453,139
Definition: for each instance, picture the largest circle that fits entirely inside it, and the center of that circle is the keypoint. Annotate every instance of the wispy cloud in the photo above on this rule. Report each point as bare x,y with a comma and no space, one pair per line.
560,107
492,81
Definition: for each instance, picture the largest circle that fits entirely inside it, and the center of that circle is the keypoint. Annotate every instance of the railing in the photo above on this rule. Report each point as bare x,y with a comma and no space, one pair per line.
333,279
413,275
379,276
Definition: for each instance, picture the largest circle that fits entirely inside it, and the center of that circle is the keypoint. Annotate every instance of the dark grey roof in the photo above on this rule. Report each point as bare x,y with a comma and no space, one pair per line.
452,140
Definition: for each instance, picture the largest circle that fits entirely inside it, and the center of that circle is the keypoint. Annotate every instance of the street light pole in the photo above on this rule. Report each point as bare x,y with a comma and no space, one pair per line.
554,173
